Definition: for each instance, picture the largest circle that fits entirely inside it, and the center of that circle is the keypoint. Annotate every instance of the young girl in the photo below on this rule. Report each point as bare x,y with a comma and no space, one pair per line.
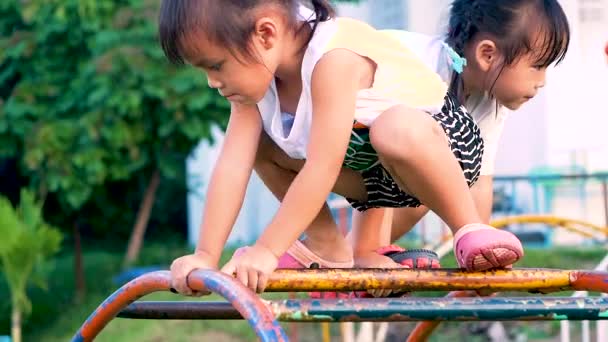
507,46
319,105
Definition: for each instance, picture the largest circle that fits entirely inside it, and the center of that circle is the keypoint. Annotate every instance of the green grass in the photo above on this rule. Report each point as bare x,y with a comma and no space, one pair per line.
56,316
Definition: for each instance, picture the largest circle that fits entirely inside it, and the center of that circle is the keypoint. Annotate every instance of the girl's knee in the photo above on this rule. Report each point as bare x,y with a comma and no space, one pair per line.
400,132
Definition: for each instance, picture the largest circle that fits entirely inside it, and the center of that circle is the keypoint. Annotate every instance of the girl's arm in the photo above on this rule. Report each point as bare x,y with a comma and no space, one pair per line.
229,179
335,82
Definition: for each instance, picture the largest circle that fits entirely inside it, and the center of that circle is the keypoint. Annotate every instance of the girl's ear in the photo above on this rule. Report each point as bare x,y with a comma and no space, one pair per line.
486,53
266,32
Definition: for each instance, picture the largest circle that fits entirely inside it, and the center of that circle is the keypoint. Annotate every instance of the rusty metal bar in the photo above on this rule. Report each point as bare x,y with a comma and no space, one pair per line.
148,283
579,280
246,302
530,280
180,310
391,309
596,281
262,319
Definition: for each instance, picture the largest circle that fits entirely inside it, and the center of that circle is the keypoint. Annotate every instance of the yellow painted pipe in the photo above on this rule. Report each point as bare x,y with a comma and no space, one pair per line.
554,221
531,279
325,333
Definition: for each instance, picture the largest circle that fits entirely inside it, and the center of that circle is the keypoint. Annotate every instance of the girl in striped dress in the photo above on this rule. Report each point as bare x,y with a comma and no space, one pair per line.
323,104
495,56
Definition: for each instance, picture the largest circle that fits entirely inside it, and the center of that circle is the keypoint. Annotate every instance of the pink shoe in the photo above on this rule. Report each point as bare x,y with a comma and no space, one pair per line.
411,258
479,247
299,256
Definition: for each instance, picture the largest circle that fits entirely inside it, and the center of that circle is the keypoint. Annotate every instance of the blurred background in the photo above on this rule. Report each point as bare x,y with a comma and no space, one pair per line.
106,152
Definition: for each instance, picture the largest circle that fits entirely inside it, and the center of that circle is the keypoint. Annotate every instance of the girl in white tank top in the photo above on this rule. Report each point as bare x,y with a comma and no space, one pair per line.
319,105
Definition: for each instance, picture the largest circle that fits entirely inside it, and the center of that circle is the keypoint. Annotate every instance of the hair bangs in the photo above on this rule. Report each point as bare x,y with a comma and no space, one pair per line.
174,20
553,37
180,21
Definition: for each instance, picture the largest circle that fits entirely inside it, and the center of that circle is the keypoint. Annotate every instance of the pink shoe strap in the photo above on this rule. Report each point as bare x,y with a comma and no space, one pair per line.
469,228
389,249
306,257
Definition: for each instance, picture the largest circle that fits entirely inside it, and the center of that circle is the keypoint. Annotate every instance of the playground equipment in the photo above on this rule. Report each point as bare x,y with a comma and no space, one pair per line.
263,315
589,230
462,305
602,327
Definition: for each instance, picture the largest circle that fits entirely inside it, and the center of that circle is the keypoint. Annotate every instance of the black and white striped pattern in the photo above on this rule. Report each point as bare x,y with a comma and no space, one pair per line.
465,142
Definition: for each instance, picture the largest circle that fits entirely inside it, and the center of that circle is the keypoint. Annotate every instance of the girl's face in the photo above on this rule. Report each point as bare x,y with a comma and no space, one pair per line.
512,85
237,78
519,82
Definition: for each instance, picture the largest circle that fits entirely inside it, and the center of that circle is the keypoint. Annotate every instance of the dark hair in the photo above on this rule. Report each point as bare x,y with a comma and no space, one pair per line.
511,24
230,22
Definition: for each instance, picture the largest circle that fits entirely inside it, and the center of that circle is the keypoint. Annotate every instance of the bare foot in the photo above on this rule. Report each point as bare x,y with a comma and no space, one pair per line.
374,260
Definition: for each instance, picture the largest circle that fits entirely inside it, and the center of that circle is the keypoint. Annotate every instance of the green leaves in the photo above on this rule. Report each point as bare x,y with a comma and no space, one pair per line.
9,221
26,244
87,97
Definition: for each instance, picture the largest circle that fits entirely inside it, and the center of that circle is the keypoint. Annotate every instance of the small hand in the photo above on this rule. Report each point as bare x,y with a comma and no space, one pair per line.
183,266
375,260
252,266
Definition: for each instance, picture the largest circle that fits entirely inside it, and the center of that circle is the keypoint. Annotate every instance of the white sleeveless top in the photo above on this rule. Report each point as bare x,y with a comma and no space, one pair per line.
483,108
291,131
400,78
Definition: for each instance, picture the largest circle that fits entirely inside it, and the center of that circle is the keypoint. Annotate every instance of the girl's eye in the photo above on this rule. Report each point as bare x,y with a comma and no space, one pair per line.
216,67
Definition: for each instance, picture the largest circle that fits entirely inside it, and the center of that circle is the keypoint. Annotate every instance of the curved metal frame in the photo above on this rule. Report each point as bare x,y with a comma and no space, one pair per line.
246,302
262,316
573,225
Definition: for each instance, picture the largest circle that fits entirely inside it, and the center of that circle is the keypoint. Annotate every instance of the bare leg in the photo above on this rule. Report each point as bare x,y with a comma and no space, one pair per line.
323,237
413,148
371,230
404,219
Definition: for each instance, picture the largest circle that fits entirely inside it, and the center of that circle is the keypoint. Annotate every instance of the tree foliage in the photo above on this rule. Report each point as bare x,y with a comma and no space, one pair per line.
89,99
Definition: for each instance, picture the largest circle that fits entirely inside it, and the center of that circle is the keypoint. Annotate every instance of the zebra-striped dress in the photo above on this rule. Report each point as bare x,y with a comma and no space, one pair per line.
401,78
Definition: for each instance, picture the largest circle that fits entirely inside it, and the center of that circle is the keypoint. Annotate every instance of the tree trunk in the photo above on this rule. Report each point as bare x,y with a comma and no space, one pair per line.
79,277
143,216
16,324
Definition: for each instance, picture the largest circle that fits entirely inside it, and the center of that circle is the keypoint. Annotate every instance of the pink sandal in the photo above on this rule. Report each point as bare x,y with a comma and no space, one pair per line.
299,256
411,258
479,247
